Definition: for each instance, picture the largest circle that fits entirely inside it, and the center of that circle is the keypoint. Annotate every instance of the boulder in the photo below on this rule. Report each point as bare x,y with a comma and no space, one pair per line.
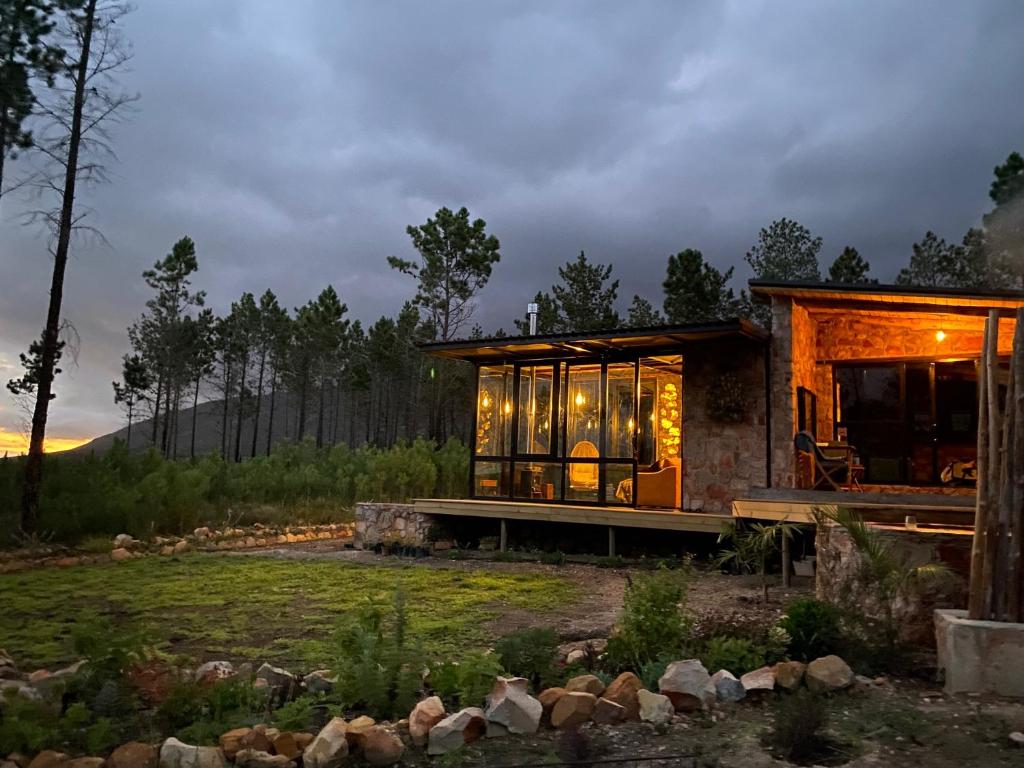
201,533
277,677
123,541
623,691
381,747
86,762
654,707
724,687
585,684
120,554
510,705
548,698
495,730
607,712
180,548
355,730
424,716
255,758
286,744
134,754
213,672
829,673
464,727
320,681
573,709
176,754
575,655
684,683
18,759
1016,739
329,748
789,674
303,739
231,742
762,679
49,758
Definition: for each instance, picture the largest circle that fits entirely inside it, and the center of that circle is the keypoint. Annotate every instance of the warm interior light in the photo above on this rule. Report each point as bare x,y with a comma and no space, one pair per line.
486,401
508,408
631,424
580,399
940,335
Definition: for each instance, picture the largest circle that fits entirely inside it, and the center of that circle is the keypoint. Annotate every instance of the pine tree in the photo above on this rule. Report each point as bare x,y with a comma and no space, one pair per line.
1004,224
132,389
849,268
934,263
695,291
785,250
271,320
642,314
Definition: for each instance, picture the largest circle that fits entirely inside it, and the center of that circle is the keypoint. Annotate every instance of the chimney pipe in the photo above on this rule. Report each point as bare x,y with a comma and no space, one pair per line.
531,310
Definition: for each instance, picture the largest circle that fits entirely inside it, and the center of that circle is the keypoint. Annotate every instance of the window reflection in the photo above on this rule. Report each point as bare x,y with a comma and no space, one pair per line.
536,389
494,411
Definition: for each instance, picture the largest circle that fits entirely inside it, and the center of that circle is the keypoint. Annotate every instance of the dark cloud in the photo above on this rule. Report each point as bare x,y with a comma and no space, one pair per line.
294,142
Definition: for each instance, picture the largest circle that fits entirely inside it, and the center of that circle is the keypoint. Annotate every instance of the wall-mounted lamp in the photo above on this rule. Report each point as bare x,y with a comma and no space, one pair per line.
940,335
580,399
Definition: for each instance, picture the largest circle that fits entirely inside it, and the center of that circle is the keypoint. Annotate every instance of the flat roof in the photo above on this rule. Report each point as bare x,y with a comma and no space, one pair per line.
568,345
882,293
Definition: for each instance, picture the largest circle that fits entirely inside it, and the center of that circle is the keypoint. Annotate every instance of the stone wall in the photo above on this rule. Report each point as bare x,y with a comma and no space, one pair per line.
783,395
385,523
840,575
722,460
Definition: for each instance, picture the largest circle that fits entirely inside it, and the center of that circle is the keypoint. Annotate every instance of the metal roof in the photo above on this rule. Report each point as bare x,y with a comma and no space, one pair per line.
567,345
881,293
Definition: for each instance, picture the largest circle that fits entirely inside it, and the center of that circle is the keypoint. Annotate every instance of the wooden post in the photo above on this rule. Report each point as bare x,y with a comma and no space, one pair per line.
787,564
992,470
503,540
611,541
976,599
1015,560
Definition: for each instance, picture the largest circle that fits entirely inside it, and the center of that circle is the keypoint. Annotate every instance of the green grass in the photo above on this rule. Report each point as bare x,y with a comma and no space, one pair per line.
257,608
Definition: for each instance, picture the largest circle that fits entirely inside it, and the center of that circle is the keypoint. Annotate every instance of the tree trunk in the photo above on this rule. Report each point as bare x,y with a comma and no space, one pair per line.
259,403
270,415
48,359
241,408
224,419
129,443
301,426
195,414
156,407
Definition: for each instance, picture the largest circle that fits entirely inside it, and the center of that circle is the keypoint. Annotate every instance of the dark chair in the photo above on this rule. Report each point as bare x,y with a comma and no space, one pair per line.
837,472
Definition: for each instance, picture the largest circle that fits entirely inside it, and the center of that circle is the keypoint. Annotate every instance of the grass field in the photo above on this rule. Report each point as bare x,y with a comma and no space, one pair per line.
260,608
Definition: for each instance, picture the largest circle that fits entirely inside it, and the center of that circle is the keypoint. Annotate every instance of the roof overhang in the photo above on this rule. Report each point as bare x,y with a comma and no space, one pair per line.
895,296
569,345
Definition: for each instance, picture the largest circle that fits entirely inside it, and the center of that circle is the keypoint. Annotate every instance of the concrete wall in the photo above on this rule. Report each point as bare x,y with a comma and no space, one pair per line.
722,460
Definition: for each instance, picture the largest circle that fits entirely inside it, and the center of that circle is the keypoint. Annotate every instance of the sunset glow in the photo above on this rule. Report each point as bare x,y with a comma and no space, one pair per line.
15,443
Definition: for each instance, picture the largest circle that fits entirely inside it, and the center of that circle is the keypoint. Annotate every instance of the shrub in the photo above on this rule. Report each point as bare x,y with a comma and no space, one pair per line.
813,627
796,734
467,682
530,653
652,623
296,715
736,654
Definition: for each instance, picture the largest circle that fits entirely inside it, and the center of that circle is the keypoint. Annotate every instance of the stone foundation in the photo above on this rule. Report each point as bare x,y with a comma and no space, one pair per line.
980,656
383,523
840,576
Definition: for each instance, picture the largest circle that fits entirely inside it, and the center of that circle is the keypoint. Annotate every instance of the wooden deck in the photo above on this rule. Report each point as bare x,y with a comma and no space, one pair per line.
660,519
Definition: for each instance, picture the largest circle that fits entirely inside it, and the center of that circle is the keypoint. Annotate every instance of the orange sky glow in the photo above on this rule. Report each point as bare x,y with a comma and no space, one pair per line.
14,443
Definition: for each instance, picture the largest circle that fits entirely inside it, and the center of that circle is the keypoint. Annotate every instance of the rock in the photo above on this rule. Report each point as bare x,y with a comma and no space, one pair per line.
259,738
123,541
762,679
424,716
232,741
381,747
495,730
303,739
607,712
201,533
134,754
175,754
585,684
724,687
254,758
214,671
277,677
623,691
180,548
789,674
548,698
166,551
355,730
329,748
510,705
684,683
8,763
654,707
285,744
464,727
829,673
320,681
49,758
573,708
575,655
86,762
120,554
1017,739
18,759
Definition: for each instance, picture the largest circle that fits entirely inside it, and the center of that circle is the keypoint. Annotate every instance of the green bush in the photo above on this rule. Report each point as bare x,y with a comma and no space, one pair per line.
530,653
652,624
813,627
465,683
796,734
736,654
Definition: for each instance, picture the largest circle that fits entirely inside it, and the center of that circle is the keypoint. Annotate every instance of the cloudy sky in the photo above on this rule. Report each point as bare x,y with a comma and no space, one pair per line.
295,141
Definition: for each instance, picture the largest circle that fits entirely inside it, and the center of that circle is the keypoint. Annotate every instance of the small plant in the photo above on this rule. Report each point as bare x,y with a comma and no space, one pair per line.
752,547
652,623
610,561
553,558
530,653
95,545
813,627
797,735
296,715
736,654
467,682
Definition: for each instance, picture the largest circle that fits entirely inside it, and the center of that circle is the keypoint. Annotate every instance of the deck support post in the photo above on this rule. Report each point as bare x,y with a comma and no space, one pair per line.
787,565
503,541
611,541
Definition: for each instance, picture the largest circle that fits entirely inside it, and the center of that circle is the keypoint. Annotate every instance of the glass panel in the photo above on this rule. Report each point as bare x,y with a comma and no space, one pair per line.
659,438
621,421
618,483
582,480
490,478
536,387
956,412
920,464
538,480
870,402
583,423
494,411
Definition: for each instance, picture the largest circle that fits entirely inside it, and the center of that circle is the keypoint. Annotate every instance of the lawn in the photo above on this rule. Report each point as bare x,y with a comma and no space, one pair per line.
260,608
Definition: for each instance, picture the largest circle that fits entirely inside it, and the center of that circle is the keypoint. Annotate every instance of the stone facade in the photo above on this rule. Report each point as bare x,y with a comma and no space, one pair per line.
382,523
722,460
840,579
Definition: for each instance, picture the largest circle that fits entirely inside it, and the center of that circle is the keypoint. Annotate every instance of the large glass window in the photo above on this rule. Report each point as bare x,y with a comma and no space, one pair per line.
621,413
536,397
660,423
494,411
583,419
